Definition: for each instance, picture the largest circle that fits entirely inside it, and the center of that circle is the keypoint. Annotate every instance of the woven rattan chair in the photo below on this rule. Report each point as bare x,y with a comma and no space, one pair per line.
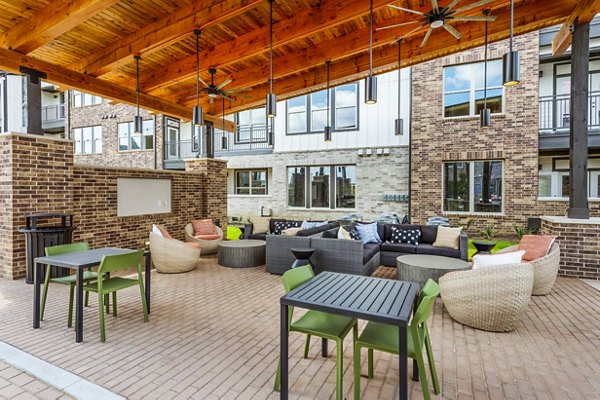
545,269
489,298
206,246
172,256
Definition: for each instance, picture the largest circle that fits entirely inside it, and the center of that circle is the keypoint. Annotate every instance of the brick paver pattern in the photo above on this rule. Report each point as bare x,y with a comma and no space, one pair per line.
214,333
16,384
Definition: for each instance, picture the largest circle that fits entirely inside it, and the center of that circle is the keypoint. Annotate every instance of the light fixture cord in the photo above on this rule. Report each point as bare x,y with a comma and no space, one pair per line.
399,77
137,84
485,64
223,116
328,62
512,18
197,33
371,38
271,45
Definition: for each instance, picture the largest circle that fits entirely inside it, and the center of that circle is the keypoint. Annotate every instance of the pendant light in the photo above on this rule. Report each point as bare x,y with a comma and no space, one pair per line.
485,115
137,120
271,98
510,60
197,117
399,122
224,135
371,81
327,129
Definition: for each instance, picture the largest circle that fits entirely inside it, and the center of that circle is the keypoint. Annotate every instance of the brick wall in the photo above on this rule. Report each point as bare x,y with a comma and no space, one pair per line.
512,138
37,175
108,116
579,243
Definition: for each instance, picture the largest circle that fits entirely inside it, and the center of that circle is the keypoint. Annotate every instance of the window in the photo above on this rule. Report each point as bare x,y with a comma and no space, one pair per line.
128,140
325,186
464,88
251,126
81,99
306,114
88,140
473,186
252,182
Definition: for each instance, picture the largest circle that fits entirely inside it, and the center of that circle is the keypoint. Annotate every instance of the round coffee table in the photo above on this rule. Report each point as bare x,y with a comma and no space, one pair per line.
421,267
242,253
302,255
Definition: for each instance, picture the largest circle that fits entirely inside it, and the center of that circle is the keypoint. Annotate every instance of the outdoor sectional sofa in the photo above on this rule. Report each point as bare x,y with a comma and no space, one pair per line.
248,229
352,256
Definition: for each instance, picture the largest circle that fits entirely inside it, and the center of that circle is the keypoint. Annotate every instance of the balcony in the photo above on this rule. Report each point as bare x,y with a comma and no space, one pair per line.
53,118
224,144
555,121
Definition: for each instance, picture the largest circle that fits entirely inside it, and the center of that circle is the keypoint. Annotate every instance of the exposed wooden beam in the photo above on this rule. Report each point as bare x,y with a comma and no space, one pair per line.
312,20
583,12
162,33
11,61
529,18
56,18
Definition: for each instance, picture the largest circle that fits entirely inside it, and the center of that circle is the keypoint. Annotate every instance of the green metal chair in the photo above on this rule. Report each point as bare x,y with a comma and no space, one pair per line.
70,280
317,323
382,337
107,285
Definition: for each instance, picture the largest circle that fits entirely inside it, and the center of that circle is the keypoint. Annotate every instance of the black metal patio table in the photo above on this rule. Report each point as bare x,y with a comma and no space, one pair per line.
374,299
80,261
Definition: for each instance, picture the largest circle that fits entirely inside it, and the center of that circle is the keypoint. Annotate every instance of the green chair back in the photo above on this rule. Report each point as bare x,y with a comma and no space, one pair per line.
431,288
295,277
66,248
120,262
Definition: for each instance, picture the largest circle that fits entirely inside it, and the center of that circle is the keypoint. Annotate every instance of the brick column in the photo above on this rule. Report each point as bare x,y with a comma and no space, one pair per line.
579,242
214,187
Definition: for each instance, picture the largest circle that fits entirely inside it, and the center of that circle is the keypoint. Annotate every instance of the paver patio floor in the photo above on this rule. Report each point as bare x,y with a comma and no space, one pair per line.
214,333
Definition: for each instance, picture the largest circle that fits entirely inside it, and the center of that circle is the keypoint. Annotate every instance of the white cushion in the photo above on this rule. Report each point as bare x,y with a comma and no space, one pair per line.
291,231
447,237
260,225
487,260
156,231
343,234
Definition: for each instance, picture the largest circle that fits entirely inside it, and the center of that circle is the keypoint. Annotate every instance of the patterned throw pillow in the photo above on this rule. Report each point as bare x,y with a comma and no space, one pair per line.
283,225
354,234
400,235
368,233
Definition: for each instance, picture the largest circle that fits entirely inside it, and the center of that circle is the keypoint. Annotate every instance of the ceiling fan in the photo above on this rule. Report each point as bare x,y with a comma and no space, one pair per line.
215,91
439,17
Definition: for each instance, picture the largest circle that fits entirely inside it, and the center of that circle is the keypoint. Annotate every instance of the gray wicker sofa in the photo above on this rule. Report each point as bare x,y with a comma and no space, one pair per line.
248,229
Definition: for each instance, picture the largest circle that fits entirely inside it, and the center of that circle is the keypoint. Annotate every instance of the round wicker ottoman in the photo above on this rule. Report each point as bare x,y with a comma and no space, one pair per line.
421,267
242,253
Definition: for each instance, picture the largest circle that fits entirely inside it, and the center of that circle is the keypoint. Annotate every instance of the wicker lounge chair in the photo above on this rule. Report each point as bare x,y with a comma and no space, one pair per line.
545,269
489,298
172,256
206,246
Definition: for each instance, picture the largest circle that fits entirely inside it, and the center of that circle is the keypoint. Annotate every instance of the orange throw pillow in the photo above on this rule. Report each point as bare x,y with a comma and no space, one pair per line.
535,246
164,232
204,227
208,237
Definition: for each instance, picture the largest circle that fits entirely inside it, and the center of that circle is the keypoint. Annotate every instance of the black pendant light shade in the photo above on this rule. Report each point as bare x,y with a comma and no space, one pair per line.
371,81
327,128
510,68
271,105
510,61
485,117
271,102
327,133
399,123
197,117
224,133
137,120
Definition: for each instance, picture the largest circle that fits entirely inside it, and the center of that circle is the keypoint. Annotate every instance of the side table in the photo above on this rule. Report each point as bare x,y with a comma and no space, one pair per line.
484,247
302,255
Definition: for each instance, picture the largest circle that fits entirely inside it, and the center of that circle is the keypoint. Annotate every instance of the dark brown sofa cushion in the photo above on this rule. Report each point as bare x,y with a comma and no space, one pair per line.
369,250
425,248
399,247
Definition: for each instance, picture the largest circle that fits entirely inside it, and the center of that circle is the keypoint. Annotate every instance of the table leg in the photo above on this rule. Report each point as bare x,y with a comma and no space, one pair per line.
79,306
403,367
414,362
283,353
37,278
147,278
324,347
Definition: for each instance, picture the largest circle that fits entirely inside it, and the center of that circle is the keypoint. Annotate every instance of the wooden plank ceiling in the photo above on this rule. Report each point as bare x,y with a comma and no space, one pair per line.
90,44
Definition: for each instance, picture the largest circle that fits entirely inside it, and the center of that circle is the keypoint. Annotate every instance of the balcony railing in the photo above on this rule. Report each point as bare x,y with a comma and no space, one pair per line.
555,112
53,113
244,141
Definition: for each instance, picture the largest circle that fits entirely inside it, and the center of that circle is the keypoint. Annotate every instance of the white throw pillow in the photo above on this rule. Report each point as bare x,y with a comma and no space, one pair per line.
156,231
343,234
260,225
487,260
291,231
447,237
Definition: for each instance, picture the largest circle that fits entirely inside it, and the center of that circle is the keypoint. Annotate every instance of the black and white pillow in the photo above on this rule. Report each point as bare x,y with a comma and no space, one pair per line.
283,225
400,235
354,234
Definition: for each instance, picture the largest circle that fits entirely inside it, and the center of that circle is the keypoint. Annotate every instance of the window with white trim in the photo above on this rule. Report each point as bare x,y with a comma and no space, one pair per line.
251,182
88,140
473,186
322,186
129,140
81,99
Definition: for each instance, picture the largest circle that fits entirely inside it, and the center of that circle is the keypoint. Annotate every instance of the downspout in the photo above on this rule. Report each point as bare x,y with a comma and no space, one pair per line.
4,95
155,141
